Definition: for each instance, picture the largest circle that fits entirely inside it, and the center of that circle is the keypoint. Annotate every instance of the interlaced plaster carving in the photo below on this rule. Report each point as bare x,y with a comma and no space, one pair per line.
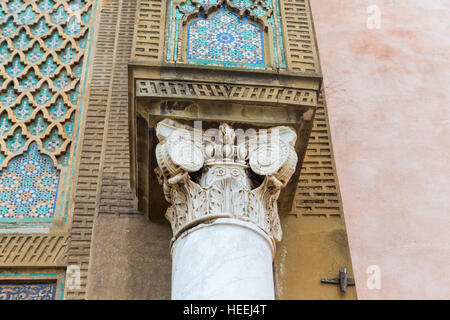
43,58
42,55
224,173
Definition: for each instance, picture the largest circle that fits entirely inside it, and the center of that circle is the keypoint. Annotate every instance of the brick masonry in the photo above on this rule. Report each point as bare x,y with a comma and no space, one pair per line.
104,166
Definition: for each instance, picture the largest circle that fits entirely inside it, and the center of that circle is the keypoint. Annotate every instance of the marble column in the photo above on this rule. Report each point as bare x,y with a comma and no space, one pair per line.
223,185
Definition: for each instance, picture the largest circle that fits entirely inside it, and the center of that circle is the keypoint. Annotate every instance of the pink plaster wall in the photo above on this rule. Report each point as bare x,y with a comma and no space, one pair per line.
388,94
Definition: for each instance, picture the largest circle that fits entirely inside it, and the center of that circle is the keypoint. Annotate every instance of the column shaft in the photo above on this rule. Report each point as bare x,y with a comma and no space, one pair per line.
227,259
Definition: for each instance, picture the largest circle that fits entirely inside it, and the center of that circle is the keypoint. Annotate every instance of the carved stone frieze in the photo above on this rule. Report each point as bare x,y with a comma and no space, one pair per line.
224,172
220,91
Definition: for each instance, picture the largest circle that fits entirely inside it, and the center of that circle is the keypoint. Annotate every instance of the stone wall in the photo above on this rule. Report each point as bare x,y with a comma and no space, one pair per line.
388,99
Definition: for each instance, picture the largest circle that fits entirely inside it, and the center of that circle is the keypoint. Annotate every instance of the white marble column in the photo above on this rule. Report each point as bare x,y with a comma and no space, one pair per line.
227,259
224,217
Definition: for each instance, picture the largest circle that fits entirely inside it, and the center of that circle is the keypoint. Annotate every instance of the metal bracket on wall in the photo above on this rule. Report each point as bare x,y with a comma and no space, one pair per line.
343,280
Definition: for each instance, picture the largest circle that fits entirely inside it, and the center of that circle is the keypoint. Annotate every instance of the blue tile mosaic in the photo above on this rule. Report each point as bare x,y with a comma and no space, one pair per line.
5,124
40,28
29,82
73,27
28,16
207,2
38,126
27,291
22,41
35,54
15,5
9,97
58,110
28,187
49,67
76,5
60,15
46,5
23,110
17,141
53,142
54,41
225,39
203,44
242,3
15,68
188,6
4,52
9,28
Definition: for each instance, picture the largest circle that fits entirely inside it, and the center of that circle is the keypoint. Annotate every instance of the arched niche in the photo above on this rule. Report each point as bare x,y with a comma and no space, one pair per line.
224,34
29,186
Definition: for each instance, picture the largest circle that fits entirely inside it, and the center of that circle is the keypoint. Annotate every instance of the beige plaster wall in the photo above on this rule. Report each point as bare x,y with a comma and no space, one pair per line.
388,98
130,258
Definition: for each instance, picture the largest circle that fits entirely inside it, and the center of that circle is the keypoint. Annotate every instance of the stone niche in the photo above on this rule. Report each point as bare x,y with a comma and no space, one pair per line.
241,99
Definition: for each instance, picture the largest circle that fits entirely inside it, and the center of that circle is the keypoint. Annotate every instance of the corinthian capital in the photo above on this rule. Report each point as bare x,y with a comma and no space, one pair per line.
224,172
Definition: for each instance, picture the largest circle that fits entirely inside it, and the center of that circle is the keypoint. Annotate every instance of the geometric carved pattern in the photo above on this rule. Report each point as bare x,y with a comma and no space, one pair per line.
42,53
318,188
28,187
224,39
299,36
216,91
32,249
27,291
149,30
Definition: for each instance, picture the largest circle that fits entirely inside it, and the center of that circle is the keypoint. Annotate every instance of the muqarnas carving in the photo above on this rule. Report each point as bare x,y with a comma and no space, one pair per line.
224,173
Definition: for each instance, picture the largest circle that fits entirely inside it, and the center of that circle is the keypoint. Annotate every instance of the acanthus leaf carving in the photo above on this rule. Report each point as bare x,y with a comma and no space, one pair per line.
229,166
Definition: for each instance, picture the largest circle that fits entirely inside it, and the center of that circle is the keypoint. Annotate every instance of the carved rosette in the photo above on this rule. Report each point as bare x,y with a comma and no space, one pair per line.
224,172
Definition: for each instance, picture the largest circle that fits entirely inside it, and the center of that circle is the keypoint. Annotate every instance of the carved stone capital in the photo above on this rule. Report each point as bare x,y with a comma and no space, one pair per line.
224,172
